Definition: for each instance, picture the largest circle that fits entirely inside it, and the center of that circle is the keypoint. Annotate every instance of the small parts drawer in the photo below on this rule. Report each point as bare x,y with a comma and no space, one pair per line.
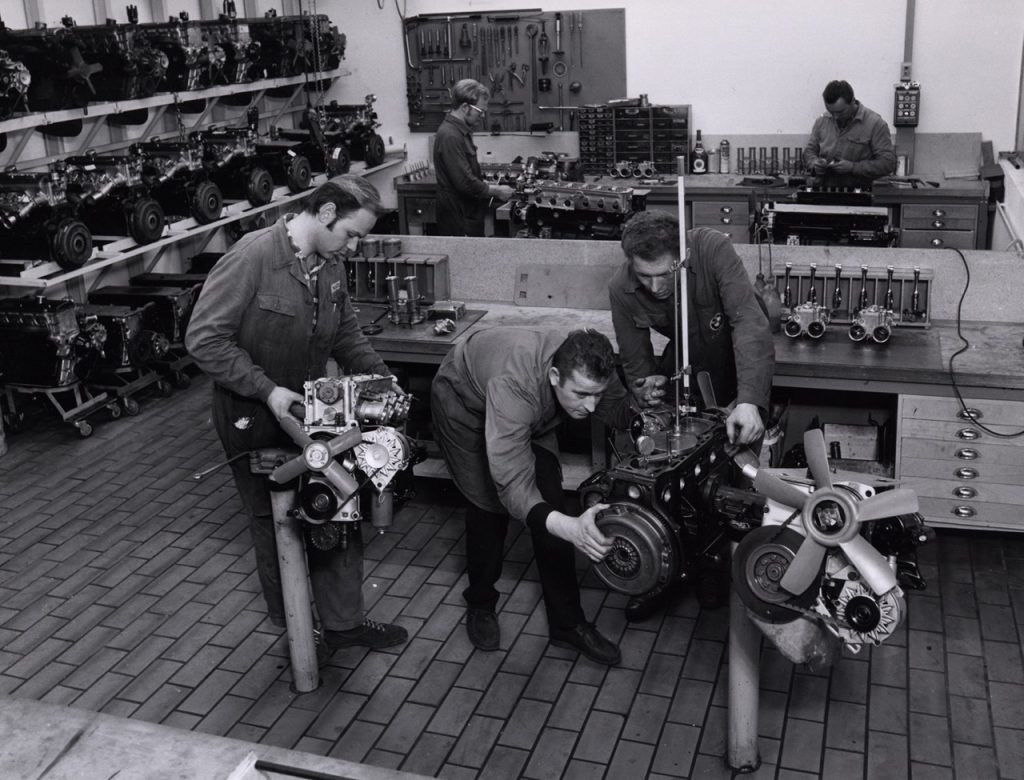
937,239
929,407
969,491
966,453
960,472
720,212
963,431
420,210
972,514
928,213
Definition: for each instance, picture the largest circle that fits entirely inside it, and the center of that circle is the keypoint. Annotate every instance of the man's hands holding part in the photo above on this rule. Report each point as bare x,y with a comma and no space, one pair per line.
743,425
281,399
501,191
649,391
581,532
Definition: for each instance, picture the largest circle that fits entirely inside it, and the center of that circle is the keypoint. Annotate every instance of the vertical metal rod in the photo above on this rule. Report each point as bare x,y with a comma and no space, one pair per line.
744,677
298,614
682,323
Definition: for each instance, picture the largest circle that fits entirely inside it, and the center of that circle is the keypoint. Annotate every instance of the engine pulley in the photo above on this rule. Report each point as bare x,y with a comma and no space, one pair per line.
643,555
761,560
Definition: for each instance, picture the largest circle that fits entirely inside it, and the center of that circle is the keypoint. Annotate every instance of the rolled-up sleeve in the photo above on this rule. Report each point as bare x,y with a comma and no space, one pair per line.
215,322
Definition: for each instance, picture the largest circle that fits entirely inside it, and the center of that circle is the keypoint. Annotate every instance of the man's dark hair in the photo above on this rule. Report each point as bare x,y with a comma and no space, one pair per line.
349,193
838,89
649,234
586,351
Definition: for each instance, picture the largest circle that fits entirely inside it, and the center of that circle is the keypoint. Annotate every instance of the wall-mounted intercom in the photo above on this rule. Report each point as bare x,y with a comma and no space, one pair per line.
907,104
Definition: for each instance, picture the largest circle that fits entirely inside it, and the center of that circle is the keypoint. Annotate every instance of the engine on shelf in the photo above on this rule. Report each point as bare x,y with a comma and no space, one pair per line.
42,342
111,195
15,79
176,175
37,220
233,163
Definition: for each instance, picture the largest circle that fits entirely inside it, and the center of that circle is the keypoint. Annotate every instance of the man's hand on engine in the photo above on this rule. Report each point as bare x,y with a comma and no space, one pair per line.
743,425
281,398
650,390
581,532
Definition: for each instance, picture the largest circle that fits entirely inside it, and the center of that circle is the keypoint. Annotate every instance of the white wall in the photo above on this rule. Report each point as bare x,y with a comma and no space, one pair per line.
752,67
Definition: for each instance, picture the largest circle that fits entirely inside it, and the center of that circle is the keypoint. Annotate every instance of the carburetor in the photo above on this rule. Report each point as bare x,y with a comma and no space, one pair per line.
809,318
874,322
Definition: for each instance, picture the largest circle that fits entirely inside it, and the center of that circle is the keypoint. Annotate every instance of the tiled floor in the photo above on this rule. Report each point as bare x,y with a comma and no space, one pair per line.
129,588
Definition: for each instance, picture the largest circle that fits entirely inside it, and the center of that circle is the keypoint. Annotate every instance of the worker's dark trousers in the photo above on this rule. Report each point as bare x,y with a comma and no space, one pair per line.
485,553
336,575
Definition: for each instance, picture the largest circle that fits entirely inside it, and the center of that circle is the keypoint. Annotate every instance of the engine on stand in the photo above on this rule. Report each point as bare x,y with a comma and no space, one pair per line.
351,438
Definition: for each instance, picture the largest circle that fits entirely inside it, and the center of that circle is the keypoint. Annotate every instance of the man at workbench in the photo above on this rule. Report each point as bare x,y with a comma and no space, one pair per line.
850,145
729,334
462,194
272,312
495,404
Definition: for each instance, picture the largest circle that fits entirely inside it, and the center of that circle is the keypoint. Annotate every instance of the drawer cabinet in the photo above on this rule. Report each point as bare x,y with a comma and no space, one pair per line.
925,226
731,217
964,476
418,212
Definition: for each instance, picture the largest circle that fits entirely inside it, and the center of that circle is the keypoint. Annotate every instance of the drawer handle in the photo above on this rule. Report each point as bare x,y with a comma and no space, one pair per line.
967,453
968,434
969,413
965,491
938,223
964,511
966,473
726,209
937,242
418,212
726,220
939,213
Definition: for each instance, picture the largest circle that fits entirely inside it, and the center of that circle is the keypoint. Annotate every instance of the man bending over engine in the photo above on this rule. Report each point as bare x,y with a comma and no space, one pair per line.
495,404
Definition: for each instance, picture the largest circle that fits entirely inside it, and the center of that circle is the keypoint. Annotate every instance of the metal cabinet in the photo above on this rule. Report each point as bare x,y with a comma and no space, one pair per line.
964,476
730,216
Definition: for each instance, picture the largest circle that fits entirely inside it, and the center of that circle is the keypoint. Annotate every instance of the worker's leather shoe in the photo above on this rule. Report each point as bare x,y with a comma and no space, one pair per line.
588,640
370,634
483,629
641,607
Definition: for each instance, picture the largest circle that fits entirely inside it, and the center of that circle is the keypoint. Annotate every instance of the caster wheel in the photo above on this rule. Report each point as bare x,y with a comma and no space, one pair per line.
299,174
84,429
374,151
207,202
131,407
164,388
71,244
260,188
115,411
181,380
14,423
146,221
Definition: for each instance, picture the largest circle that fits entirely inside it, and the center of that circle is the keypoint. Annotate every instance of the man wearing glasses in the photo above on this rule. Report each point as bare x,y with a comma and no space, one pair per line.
462,194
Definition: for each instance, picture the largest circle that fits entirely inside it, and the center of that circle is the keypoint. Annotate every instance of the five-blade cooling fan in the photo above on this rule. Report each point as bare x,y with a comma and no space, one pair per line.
831,516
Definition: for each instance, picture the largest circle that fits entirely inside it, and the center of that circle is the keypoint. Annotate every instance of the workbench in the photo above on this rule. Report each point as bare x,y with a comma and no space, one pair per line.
974,485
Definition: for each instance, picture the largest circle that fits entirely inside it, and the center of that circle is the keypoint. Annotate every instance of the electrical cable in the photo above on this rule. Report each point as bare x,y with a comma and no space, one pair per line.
964,348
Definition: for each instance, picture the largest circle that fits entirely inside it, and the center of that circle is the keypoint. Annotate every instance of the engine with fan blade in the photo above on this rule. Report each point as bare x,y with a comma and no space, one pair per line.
349,442
830,547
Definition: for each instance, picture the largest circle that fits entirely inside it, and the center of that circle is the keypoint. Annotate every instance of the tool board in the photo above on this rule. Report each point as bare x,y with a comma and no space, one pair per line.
580,54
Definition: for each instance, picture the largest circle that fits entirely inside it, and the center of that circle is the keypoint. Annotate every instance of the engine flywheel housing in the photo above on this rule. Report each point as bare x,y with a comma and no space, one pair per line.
644,551
761,560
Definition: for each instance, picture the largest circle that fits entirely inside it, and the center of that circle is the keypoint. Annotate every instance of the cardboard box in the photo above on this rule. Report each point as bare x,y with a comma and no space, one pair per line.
853,442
